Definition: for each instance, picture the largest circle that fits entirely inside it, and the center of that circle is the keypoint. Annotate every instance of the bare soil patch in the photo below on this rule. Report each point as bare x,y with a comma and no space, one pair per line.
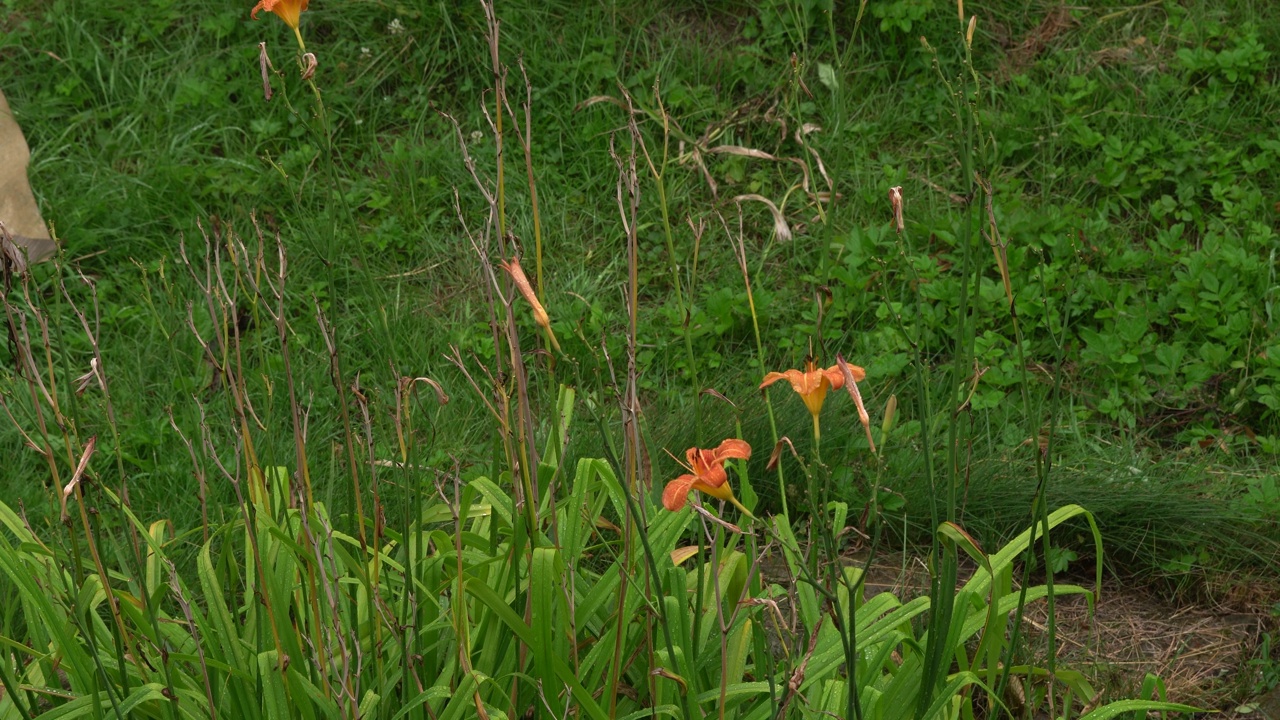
1200,651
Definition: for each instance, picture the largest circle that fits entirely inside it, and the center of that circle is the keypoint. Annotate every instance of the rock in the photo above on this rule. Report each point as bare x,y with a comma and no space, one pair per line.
26,239
1268,706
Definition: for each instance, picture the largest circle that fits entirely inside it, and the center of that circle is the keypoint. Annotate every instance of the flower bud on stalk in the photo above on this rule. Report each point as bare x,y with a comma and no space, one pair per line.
890,410
522,284
895,200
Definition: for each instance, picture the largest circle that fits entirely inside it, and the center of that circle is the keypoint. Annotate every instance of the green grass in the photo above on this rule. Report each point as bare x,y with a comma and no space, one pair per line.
1131,163
1131,159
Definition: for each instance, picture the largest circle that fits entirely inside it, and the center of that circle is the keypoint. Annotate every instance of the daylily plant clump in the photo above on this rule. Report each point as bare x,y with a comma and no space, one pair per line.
706,466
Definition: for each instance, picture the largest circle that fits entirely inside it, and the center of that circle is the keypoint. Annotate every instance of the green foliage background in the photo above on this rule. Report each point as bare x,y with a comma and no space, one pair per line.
1133,154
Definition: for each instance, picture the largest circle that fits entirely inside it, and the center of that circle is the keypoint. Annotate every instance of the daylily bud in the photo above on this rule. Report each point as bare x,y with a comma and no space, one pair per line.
895,200
890,410
968,36
522,284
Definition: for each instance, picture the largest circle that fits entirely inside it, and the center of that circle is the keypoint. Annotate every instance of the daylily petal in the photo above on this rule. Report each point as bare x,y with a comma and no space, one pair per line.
813,400
772,378
834,376
720,492
709,469
801,382
859,373
733,448
691,457
676,493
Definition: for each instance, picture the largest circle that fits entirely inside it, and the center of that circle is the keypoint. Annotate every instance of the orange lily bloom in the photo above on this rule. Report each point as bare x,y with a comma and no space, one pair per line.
706,474
290,11
812,384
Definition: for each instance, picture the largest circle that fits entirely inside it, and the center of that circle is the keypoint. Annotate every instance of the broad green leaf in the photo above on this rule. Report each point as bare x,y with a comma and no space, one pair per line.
1119,707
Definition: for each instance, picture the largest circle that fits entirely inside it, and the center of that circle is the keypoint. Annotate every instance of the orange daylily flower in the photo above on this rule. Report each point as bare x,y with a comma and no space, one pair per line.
706,474
813,383
290,11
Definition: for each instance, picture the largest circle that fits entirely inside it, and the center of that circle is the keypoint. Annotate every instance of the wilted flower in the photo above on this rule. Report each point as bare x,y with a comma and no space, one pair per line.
71,485
706,474
83,382
895,200
780,226
851,383
264,61
526,289
309,64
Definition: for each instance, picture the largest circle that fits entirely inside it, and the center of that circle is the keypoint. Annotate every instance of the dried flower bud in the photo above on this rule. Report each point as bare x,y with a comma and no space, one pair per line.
522,284
79,473
83,382
780,226
895,200
851,385
309,66
968,35
265,61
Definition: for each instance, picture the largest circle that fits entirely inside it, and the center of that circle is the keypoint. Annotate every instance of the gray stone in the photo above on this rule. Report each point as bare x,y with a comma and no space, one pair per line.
25,238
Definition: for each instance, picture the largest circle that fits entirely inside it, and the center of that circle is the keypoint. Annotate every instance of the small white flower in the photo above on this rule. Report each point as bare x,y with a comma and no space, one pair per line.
476,136
395,27
365,52
359,121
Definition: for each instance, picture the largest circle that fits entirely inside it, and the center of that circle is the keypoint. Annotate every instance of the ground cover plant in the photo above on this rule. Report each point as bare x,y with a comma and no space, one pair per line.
401,351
